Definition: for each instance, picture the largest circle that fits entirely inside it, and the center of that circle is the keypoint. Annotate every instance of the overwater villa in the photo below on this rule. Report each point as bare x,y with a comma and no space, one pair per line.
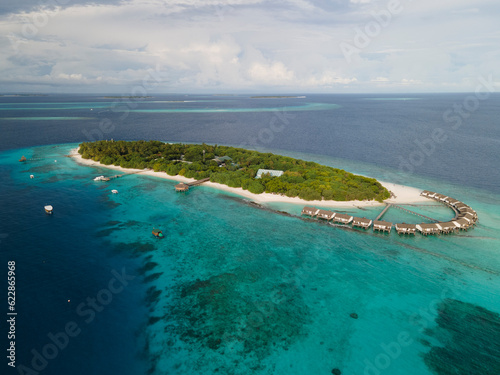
448,227
324,214
426,229
310,211
361,222
342,218
406,228
382,226
463,224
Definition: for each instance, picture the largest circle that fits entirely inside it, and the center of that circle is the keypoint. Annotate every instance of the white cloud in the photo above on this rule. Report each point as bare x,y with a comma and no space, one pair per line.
380,79
251,45
276,73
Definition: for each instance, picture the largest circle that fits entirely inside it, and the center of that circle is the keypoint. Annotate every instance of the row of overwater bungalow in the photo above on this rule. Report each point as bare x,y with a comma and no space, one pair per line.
465,218
337,217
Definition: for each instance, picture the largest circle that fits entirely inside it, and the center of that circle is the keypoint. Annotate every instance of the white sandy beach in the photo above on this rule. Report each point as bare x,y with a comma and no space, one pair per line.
403,194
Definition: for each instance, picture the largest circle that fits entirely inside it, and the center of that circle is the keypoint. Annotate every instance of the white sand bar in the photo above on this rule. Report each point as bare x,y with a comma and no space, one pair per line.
403,194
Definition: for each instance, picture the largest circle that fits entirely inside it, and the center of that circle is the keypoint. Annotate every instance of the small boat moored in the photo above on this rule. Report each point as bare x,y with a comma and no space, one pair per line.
114,191
157,233
32,176
49,209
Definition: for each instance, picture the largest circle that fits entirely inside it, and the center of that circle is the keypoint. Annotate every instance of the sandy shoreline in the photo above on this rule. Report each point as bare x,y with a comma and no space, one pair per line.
404,194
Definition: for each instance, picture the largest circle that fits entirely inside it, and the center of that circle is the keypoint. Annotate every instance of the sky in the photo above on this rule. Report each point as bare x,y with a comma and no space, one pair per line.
140,47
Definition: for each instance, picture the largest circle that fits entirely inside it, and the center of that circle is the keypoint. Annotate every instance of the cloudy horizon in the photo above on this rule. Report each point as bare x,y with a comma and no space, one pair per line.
231,46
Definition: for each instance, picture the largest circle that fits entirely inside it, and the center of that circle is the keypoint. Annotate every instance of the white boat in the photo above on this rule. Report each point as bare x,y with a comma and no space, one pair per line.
32,176
114,191
49,209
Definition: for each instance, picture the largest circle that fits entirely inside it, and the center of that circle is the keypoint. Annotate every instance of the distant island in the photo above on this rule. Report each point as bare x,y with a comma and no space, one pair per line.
126,97
22,95
238,168
276,97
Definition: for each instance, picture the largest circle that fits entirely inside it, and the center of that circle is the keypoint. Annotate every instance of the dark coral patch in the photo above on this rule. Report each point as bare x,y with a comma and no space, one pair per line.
468,336
152,277
218,314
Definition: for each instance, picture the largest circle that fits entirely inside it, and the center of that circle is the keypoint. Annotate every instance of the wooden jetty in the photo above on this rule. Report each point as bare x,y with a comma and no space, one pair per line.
384,211
182,187
24,159
198,182
415,213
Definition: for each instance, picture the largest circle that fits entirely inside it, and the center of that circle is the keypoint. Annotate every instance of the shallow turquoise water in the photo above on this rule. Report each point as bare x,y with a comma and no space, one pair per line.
41,118
305,107
128,105
234,289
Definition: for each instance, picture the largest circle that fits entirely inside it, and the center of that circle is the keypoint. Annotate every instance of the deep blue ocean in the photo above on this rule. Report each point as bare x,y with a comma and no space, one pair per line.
238,289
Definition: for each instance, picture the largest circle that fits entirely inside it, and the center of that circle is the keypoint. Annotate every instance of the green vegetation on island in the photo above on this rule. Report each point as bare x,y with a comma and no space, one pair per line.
237,167
126,97
275,97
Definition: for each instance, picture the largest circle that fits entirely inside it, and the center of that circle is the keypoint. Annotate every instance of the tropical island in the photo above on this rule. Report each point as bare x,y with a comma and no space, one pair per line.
276,97
126,97
238,168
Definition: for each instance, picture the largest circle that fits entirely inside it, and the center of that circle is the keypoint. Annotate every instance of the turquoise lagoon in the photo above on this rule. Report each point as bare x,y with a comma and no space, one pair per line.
240,289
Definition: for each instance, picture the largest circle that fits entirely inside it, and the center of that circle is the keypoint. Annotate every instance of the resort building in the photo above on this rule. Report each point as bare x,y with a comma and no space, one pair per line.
440,197
469,217
223,159
326,215
361,222
468,212
270,172
461,206
428,194
181,187
448,227
452,201
342,218
406,228
462,224
426,229
310,211
383,226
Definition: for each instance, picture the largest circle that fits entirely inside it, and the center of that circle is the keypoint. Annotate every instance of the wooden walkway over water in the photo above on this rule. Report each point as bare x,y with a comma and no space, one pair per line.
198,182
415,213
384,211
